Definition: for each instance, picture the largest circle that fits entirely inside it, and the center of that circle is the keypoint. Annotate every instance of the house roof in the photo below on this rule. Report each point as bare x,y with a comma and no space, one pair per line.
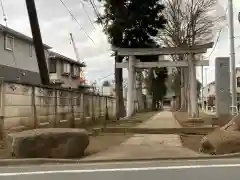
52,54
19,35
55,55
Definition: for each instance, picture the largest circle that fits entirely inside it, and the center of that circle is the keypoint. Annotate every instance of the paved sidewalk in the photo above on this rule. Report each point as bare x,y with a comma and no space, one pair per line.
163,119
148,145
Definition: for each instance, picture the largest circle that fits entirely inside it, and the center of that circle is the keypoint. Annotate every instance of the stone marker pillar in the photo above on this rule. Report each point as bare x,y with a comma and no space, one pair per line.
222,87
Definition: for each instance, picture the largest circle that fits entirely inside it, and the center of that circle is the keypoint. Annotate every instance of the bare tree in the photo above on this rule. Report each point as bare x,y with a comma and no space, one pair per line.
189,23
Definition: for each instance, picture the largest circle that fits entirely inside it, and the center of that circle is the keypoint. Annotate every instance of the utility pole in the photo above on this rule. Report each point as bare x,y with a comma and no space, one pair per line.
206,83
206,76
232,53
37,41
202,89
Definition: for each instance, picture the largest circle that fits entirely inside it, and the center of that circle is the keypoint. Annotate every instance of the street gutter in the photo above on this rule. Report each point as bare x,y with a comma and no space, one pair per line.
40,161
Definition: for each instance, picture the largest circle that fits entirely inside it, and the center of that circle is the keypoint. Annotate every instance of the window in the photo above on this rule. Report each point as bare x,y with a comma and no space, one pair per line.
238,81
66,68
30,50
75,71
53,66
9,42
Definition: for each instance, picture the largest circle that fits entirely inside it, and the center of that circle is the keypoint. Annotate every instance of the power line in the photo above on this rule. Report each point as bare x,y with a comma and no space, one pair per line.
87,14
219,34
81,27
105,77
215,45
95,9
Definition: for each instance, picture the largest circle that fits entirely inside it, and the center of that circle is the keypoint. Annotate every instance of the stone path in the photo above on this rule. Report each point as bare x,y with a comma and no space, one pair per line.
148,145
164,119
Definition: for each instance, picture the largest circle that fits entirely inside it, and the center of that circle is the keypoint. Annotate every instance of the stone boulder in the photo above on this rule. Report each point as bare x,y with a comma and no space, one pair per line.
224,140
221,142
48,143
233,125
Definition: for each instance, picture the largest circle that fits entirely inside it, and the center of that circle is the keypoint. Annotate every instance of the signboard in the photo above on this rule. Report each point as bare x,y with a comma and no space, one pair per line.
239,17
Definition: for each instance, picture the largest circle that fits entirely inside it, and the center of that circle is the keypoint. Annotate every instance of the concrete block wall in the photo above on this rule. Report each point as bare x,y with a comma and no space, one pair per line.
28,107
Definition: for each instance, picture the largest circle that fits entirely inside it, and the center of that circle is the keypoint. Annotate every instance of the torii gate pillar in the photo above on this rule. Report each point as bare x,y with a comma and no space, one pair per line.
132,64
131,83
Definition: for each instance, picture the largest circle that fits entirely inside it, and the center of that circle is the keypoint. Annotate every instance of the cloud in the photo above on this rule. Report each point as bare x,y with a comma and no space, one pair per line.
56,24
223,46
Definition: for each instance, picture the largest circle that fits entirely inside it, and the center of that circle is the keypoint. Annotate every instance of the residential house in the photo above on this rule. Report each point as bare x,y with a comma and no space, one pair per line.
64,71
209,89
18,61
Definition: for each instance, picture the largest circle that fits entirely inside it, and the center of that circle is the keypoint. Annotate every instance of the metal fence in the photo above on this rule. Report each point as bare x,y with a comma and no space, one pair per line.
29,107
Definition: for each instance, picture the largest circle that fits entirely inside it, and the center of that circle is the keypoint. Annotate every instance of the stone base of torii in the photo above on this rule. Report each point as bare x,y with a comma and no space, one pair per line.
132,65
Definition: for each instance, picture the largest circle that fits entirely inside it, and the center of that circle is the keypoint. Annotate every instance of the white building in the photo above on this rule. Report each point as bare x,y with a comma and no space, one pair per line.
18,61
108,91
209,90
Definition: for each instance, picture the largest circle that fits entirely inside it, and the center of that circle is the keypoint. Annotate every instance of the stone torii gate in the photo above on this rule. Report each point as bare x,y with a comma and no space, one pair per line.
131,65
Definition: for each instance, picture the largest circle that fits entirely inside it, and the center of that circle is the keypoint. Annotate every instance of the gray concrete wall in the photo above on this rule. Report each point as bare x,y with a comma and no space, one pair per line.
23,106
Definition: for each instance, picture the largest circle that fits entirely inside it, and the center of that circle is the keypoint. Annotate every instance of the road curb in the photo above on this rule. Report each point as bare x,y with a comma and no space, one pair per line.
40,161
135,130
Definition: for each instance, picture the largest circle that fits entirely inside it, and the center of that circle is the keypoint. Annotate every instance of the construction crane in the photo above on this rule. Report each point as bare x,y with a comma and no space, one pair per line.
81,74
75,48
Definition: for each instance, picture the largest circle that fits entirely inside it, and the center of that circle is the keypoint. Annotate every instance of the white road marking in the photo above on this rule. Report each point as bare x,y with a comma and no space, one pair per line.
56,165
118,170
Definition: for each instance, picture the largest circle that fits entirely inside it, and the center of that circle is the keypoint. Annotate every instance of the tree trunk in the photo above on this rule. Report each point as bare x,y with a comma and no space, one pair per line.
184,89
193,87
139,91
149,95
120,109
154,101
178,103
189,109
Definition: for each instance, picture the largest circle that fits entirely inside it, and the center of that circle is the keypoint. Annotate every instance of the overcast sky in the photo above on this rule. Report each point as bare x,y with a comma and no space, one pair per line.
56,24
222,48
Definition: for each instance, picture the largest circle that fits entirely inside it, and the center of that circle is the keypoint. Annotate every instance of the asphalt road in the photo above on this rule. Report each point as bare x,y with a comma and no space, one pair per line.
170,170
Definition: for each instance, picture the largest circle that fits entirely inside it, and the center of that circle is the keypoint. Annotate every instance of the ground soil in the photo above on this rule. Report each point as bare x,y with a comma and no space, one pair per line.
207,120
103,142
183,119
193,141
100,143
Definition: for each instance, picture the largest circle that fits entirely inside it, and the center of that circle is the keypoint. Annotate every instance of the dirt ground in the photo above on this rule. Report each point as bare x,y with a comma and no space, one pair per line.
206,120
183,119
100,143
193,141
103,142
